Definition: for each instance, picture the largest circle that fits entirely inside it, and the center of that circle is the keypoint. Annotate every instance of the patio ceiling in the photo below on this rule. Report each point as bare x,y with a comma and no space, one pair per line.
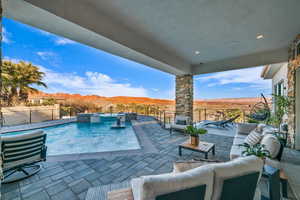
167,34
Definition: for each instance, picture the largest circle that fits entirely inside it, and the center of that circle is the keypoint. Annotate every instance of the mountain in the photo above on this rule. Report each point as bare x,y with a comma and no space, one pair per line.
245,103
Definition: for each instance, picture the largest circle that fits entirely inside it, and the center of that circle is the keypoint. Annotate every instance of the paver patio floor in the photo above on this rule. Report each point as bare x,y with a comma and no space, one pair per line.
71,179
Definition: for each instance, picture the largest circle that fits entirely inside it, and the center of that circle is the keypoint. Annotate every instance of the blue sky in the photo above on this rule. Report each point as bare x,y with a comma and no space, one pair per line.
75,68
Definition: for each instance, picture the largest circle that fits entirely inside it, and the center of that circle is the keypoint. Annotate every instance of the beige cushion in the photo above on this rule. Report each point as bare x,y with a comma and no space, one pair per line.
238,141
182,118
136,188
269,130
273,162
246,128
186,165
149,187
241,136
253,138
236,152
179,127
237,167
272,144
260,128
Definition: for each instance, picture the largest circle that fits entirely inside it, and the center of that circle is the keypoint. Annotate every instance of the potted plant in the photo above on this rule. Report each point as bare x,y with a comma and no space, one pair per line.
194,133
256,150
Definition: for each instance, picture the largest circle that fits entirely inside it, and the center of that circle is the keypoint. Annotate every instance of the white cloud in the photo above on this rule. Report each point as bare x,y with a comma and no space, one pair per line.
45,54
14,60
63,41
155,89
89,83
5,36
250,76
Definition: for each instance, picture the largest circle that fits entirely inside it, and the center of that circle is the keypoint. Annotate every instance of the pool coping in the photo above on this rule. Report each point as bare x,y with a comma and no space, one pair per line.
144,142
25,127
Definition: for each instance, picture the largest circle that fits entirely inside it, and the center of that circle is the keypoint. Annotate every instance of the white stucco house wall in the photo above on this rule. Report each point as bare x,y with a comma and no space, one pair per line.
278,74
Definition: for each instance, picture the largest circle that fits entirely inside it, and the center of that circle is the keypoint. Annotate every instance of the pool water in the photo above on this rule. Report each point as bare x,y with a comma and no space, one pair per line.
73,138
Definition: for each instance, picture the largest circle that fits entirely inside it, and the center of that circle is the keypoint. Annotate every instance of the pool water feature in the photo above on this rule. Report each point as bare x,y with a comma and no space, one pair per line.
75,137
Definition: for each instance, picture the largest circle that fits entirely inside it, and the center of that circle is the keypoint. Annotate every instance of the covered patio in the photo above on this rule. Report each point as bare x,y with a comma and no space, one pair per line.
70,179
183,38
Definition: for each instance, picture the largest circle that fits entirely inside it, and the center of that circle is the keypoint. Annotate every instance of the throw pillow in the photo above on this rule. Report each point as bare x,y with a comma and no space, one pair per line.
260,128
253,138
272,144
181,122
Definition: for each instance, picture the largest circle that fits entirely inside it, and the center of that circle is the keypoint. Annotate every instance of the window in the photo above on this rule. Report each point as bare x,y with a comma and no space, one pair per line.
278,89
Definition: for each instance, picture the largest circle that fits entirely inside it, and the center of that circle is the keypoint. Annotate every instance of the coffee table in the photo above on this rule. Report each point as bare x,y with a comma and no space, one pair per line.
203,147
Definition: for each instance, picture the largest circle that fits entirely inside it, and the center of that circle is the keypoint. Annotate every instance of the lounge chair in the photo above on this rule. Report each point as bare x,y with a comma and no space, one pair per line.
20,155
222,123
180,123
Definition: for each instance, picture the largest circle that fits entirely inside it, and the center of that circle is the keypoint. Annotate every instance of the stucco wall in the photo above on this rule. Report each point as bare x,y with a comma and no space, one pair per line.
25,115
281,75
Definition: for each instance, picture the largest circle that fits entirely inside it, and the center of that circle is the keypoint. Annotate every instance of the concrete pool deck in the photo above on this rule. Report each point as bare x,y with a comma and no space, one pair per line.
60,180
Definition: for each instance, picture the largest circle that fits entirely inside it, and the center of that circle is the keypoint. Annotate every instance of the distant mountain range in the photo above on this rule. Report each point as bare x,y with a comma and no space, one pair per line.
234,102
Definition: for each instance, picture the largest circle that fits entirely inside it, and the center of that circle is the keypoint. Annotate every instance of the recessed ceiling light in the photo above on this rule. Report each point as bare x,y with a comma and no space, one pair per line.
197,52
260,36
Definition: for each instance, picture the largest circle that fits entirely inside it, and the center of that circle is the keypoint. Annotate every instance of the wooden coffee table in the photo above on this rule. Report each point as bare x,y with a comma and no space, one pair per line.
203,147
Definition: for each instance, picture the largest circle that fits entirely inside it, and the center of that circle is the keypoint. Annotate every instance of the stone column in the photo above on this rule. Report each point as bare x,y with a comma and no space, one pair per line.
293,65
184,95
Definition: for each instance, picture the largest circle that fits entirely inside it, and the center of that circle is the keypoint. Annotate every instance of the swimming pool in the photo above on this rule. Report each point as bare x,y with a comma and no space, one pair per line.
75,137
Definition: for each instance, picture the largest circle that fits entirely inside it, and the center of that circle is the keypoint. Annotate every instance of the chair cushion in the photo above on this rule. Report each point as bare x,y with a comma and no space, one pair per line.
272,144
253,138
260,128
187,165
269,130
181,122
238,141
240,136
149,187
236,152
177,126
246,128
237,167
182,118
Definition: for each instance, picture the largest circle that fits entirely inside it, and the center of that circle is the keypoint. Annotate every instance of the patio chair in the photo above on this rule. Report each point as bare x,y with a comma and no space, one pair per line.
20,155
180,123
222,123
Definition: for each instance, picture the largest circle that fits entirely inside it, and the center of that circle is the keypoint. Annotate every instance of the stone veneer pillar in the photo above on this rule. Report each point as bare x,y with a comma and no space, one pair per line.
293,65
184,95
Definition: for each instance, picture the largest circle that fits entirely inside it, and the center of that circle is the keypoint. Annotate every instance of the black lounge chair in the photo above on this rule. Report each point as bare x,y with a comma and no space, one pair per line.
20,155
222,123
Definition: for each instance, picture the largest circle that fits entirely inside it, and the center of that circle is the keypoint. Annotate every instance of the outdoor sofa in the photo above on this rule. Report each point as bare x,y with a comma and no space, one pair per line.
267,137
236,179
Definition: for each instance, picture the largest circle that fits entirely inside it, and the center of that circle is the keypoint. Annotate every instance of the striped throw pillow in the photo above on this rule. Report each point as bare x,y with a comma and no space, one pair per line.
253,138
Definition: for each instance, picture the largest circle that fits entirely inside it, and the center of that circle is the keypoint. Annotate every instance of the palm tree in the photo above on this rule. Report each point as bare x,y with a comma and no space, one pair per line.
19,79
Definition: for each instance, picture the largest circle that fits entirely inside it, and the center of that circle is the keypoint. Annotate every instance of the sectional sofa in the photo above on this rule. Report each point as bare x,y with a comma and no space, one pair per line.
271,142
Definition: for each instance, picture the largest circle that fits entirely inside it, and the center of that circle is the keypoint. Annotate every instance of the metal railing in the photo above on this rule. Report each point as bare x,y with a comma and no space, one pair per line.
28,116
165,118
